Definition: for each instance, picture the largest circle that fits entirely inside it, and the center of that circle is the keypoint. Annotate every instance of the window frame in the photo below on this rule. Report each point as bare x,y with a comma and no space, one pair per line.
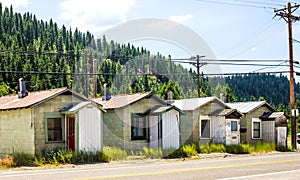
237,125
256,120
208,120
54,115
144,129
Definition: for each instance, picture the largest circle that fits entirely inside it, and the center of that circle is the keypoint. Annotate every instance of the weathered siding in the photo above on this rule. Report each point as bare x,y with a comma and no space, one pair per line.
170,129
90,129
54,105
268,131
16,131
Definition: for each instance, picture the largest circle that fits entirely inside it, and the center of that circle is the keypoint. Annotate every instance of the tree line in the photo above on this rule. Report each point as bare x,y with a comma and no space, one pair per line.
29,44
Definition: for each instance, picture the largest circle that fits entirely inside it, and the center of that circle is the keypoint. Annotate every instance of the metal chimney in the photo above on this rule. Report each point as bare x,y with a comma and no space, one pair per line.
170,97
106,95
23,91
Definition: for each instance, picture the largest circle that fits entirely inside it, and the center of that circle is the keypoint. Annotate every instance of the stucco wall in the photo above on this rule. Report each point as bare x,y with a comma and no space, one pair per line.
16,131
54,105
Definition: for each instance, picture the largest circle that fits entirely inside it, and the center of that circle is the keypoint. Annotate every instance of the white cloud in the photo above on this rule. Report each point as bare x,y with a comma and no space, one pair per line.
95,15
181,19
253,49
14,3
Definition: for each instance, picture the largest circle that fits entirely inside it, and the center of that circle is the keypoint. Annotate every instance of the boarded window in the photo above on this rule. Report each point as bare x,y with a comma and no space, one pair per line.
138,128
234,126
54,129
205,128
256,129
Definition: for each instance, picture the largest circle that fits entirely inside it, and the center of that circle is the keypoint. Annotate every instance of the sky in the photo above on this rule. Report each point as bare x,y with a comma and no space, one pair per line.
232,29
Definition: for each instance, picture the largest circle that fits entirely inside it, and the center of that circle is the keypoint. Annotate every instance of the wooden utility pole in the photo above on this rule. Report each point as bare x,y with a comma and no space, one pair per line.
94,78
198,76
286,14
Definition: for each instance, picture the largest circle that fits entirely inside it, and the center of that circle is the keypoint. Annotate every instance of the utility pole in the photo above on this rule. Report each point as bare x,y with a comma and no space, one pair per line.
286,14
94,78
198,65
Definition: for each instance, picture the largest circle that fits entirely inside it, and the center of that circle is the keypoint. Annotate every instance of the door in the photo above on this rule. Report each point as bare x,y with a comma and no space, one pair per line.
71,133
153,131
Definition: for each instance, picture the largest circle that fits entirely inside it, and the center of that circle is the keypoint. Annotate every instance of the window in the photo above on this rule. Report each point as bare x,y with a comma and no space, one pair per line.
256,128
234,126
138,128
54,127
205,128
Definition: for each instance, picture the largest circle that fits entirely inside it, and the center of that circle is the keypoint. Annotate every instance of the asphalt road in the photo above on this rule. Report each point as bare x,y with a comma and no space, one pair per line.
268,166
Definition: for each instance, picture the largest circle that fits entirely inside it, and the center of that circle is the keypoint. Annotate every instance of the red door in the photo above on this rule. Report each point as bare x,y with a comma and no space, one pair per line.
71,133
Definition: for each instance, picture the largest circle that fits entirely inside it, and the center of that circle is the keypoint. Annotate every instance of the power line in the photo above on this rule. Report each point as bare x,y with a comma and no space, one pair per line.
236,4
141,74
257,2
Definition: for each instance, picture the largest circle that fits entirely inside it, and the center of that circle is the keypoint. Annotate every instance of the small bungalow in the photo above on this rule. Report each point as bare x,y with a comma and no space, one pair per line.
208,120
258,122
44,120
135,121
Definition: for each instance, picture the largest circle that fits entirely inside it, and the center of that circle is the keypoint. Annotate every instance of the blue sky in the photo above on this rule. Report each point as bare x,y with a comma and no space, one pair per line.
231,32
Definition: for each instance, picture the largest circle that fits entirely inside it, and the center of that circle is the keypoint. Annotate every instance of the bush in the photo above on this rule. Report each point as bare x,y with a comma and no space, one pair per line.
183,151
22,159
113,154
7,162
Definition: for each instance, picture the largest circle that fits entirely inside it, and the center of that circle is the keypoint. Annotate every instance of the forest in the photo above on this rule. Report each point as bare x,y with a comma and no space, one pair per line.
48,56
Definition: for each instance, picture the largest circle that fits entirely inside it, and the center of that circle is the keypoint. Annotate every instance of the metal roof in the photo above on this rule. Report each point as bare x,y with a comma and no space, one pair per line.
247,107
163,109
226,112
33,98
76,107
120,101
192,104
272,115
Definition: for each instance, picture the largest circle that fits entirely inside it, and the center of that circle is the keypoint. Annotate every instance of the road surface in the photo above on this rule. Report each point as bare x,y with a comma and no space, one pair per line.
268,166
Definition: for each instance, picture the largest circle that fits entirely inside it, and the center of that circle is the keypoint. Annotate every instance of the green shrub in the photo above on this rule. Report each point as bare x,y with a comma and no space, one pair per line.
113,154
190,150
23,159
182,152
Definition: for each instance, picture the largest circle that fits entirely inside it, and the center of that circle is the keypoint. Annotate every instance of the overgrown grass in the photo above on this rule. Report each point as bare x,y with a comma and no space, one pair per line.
212,148
60,156
151,153
113,154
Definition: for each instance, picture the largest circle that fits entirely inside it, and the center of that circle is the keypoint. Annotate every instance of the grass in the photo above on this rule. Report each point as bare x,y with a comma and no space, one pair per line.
60,156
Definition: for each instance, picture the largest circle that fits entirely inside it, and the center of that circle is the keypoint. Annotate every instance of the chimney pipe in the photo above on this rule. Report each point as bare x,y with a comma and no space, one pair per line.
106,95
170,96
23,91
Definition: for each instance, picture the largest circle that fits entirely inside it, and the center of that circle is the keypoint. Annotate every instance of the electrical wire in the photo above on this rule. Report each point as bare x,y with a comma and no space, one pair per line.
257,2
236,4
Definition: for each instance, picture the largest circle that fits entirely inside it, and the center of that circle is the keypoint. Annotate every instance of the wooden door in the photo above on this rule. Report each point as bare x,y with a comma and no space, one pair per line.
71,133
153,131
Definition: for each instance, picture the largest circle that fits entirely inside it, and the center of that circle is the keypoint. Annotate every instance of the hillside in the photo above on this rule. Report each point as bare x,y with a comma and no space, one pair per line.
48,56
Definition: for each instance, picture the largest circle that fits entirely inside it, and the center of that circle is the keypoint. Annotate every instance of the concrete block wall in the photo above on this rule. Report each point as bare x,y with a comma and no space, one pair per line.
16,131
